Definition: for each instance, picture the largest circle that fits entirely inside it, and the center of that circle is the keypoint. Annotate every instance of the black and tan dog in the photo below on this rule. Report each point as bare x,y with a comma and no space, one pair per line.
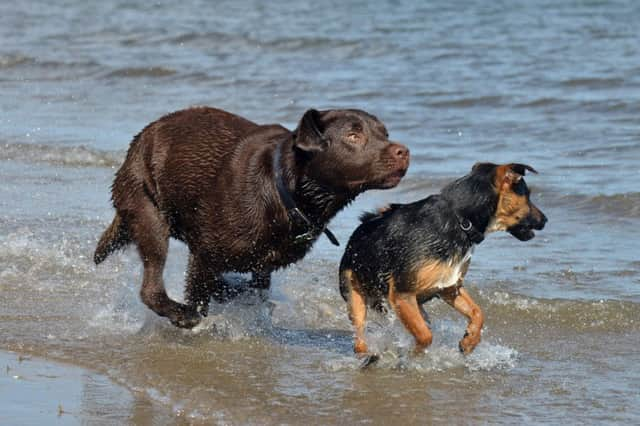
410,253
243,197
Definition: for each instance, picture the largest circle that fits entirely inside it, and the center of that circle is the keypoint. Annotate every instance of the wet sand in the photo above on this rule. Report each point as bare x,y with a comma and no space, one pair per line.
36,391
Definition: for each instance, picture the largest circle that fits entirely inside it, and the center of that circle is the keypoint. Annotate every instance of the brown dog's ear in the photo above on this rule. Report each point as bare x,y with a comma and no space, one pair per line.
309,135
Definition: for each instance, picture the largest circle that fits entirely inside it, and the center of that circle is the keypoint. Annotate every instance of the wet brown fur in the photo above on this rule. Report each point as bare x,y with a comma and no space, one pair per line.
210,178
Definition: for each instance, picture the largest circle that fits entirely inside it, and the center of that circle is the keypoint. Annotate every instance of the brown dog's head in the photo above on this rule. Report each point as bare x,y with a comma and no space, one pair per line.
350,150
515,213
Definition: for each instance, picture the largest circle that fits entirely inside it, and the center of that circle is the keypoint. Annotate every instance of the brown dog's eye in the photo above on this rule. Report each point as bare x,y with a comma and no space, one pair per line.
355,138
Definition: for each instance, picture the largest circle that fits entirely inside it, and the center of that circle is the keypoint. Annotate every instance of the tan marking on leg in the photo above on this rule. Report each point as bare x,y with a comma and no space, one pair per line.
462,302
406,307
357,308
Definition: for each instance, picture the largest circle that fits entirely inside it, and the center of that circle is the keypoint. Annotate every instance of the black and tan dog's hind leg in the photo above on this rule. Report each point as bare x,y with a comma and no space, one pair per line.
462,302
357,309
409,311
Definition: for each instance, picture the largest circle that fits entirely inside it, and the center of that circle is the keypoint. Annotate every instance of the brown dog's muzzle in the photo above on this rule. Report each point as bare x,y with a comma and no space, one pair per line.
400,154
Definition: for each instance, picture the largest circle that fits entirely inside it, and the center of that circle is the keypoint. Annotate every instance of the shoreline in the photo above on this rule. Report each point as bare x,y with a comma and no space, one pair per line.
36,391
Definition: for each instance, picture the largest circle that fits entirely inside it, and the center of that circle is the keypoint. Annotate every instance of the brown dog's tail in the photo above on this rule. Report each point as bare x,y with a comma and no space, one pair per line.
115,237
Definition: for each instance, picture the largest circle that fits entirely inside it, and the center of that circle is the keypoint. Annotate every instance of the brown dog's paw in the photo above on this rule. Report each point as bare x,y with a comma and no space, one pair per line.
187,319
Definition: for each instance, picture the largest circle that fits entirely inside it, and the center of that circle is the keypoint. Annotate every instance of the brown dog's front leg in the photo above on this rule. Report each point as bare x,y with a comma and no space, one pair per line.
202,282
407,309
462,302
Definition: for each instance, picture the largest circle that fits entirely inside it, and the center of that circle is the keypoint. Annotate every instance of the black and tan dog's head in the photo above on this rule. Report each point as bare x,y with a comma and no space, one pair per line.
350,150
496,198
515,213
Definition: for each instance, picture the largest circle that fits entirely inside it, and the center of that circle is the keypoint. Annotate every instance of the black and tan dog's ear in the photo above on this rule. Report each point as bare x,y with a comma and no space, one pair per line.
522,168
509,174
309,135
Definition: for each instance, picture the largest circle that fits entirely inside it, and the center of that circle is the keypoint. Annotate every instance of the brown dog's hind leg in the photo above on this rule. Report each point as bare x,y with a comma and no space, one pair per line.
406,307
357,308
151,234
462,302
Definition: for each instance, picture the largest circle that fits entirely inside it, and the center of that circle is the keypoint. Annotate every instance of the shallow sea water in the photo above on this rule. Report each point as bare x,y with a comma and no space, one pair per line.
554,85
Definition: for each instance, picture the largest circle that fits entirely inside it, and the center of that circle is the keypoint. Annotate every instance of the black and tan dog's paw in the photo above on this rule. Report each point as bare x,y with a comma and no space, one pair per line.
368,360
468,343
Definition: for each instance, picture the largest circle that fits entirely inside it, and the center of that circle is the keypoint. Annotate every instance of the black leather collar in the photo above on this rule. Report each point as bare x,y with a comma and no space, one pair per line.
295,214
472,232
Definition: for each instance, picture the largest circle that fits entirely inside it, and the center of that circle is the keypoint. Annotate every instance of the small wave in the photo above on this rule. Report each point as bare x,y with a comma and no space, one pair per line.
631,147
540,103
41,266
61,155
279,43
593,82
469,102
48,69
622,205
606,315
141,72
14,60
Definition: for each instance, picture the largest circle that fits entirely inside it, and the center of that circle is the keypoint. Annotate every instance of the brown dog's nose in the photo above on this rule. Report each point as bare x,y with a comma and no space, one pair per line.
400,152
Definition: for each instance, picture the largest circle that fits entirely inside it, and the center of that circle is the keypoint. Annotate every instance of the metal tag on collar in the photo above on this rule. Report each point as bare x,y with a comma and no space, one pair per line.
304,238
309,235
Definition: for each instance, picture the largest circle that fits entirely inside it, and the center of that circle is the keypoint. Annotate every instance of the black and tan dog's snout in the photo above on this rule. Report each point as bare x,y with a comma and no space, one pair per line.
538,219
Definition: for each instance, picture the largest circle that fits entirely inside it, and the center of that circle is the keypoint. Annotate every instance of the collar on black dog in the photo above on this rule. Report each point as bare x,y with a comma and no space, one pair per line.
472,232
292,209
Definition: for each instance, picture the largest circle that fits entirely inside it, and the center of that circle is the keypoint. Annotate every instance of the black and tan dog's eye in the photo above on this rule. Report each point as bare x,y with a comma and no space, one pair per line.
520,187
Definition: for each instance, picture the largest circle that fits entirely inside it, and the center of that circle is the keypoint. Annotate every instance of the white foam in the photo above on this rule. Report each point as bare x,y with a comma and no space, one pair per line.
387,337
519,302
117,320
243,318
38,264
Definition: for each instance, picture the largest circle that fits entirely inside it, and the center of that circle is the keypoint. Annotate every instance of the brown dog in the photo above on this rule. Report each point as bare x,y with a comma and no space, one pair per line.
409,253
244,197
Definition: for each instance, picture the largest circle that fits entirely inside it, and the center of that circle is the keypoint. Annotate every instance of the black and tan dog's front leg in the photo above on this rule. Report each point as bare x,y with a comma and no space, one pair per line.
406,307
462,302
